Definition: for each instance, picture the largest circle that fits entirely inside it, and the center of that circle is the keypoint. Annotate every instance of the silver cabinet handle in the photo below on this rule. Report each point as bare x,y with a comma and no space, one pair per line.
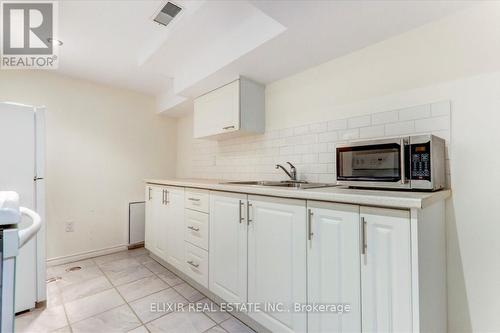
249,205
193,264
364,246
194,199
228,127
149,193
309,224
163,197
167,199
241,215
193,228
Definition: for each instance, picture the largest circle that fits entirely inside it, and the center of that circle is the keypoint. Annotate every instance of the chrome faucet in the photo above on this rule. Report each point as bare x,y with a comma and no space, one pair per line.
293,171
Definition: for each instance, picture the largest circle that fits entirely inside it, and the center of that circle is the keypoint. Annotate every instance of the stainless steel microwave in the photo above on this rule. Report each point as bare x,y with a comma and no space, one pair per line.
410,162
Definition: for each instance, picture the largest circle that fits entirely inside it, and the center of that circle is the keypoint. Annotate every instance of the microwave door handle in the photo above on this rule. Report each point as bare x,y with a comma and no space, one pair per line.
403,164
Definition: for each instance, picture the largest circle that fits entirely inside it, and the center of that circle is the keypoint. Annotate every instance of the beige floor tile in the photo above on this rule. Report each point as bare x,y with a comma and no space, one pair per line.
85,288
120,319
127,274
119,264
213,311
181,322
144,258
233,325
111,257
65,329
137,252
161,300
84,274
53,271
140,329
216,329
41,320
54,297
155,267
170,278
140,288
91,305
189,292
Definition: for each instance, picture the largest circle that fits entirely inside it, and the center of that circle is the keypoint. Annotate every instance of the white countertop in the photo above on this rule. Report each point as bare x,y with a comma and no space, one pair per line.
395,199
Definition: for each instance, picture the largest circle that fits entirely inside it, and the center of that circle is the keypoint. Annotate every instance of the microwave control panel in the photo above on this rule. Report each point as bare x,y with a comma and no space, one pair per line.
421,161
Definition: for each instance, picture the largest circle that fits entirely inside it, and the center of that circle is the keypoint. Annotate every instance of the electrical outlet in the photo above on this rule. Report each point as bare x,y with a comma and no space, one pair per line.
70,226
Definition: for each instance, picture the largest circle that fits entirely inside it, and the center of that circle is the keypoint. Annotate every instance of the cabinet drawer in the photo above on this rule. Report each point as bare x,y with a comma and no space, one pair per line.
196,228
196,264
197,200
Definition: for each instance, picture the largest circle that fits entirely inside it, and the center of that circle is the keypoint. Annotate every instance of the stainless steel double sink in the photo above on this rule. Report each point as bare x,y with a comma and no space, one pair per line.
286,183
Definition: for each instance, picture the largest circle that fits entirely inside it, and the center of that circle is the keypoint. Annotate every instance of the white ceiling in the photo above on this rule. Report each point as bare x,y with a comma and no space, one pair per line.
214,41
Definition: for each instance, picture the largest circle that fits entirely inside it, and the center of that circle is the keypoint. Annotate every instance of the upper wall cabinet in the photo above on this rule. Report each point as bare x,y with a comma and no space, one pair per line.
231,110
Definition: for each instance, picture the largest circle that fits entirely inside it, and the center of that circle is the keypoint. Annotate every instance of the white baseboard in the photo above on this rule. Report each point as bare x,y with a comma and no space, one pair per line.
85,255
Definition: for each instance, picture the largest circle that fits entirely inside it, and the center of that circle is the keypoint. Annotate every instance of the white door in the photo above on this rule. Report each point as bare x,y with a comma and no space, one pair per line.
386,270
173,226
17,172
228,246
277,268
333,269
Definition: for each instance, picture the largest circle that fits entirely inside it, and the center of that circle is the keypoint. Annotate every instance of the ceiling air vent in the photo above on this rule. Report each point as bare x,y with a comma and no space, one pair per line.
167,13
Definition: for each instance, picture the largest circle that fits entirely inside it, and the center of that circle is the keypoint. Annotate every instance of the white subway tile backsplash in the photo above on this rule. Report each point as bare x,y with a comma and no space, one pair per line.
401,128
311,147
361,121
372,132
351,134
415,112
440,109
339,124
432,124
385,117
328,137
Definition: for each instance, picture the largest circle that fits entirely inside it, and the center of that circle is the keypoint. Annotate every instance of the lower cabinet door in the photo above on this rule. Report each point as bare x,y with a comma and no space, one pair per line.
277,268
333,252
386,270
228,246
174,218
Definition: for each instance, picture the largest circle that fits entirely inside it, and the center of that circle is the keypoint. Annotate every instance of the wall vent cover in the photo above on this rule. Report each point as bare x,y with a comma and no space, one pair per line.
167,13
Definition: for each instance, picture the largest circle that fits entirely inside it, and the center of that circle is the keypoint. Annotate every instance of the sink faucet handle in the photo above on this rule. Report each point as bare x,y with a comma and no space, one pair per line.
291,165
293,171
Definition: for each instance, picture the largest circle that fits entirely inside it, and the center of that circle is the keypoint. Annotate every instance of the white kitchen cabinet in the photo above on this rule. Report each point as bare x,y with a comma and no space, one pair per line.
386,271
196,264
234,109
172,218
333,267
228,246
277,268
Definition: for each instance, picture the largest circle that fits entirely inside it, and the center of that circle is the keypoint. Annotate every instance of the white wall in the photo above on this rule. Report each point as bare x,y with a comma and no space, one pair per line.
456,59
101,143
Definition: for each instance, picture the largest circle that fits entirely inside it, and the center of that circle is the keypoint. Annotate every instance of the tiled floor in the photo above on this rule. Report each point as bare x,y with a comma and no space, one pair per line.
114,293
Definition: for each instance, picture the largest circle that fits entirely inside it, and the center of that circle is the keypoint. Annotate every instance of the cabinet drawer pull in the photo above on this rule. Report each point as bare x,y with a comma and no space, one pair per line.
163,196
193,264
149,193
193,228
195,201
228,127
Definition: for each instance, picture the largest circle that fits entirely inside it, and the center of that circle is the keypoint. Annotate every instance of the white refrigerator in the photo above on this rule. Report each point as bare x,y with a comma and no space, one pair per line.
22,151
